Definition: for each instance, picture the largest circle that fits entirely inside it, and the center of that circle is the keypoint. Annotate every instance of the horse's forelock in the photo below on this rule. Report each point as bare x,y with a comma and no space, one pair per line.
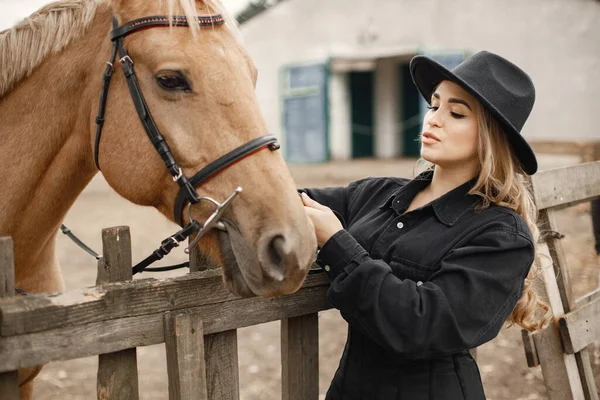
49,30
24,46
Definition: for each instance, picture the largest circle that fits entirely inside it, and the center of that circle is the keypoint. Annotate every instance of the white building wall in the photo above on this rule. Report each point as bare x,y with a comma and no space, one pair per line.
340,143
387,97
556,41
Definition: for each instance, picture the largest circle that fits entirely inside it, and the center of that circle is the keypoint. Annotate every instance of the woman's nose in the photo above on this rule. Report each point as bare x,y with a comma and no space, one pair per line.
434,119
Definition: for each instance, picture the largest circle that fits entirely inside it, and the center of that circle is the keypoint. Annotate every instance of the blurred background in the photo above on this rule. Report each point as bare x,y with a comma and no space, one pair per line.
334,86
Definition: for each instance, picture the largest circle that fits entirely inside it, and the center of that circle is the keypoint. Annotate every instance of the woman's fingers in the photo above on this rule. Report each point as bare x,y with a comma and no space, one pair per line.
312,203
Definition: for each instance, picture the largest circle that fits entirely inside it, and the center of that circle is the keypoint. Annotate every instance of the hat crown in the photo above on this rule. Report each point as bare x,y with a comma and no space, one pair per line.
507,87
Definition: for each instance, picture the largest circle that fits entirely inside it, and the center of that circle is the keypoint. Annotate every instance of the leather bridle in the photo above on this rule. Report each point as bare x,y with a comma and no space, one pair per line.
187,187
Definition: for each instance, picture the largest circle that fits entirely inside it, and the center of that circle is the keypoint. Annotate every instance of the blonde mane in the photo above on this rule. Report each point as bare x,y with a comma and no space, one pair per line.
26,45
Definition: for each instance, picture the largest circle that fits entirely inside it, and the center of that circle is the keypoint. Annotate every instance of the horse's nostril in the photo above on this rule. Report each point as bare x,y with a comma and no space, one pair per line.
276,250
278,254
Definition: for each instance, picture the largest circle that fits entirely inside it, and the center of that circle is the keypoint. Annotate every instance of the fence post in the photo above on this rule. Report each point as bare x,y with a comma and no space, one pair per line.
117,372
220,350
300,357
9,381
184,342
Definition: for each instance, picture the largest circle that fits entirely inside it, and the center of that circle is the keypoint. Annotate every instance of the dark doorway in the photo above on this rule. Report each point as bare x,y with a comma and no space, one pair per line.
361,94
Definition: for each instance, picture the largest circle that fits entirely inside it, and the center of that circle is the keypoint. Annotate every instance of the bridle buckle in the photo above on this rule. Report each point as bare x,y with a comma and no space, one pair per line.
178,176
126,59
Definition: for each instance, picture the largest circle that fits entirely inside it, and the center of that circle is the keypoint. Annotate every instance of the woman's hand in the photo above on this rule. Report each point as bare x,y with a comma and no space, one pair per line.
324,220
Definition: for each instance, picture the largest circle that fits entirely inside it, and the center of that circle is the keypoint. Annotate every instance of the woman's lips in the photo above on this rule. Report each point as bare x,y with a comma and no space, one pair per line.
429,138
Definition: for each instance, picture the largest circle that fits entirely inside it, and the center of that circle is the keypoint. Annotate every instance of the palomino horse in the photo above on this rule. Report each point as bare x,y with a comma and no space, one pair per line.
198,85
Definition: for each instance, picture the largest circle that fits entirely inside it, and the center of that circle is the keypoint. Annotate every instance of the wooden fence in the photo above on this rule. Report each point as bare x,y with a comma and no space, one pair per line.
561,349
197,318
194,315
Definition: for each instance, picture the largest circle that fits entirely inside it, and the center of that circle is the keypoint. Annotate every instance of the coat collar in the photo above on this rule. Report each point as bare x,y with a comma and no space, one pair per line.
447,208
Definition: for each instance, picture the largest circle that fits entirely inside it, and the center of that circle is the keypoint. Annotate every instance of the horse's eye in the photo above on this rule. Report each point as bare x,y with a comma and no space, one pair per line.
173,82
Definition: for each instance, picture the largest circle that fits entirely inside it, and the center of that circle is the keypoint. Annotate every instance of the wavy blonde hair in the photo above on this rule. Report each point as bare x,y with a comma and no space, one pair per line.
503,182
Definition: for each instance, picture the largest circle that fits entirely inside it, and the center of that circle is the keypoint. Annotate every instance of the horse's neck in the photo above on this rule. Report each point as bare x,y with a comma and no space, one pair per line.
45,142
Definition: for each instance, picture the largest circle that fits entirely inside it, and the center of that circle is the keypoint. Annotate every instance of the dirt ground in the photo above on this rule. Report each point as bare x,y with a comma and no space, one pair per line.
502,361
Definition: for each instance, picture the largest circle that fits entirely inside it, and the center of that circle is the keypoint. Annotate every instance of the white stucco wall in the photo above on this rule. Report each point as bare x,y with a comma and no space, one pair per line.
340,145
556,41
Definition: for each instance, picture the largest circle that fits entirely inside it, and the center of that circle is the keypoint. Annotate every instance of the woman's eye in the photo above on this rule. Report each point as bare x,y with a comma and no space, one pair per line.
434,108
456,115
173,82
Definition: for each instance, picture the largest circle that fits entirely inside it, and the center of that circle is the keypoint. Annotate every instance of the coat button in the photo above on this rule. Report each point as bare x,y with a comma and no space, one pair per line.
400,225
327,268
419,283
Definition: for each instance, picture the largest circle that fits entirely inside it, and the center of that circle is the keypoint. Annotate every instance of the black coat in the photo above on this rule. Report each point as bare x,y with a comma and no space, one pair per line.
420,289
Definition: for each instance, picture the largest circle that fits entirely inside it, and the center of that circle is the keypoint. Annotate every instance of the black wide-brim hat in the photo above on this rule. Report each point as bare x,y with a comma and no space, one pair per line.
504,89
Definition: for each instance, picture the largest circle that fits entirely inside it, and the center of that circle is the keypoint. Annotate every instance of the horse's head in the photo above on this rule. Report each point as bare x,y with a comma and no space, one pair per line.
199,87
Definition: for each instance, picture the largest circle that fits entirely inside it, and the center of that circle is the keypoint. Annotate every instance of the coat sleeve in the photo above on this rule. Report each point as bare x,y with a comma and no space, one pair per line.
464,304
336,198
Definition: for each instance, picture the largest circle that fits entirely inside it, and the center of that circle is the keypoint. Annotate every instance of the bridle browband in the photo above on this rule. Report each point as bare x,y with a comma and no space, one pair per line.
187,192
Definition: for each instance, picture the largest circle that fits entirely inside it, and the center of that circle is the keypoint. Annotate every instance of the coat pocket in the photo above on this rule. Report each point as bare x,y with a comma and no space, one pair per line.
407,269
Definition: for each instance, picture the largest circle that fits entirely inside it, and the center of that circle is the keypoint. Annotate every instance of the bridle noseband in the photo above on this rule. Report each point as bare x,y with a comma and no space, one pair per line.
187,187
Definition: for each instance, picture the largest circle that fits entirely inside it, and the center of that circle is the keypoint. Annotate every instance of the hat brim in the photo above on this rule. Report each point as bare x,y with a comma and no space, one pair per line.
427,75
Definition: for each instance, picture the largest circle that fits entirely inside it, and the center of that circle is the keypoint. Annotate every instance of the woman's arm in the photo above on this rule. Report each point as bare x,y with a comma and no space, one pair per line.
463,305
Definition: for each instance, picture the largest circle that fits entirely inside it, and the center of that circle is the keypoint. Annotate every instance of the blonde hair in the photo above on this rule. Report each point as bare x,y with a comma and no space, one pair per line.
503,182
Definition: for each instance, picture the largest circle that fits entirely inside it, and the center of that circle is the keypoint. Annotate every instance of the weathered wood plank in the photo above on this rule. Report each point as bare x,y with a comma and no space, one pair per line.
586,374
560,371
300,358
562,187
112,335
222,371
9,381
547,221
184,343
9,385
570,147
561,375
547,218
117,375
581,327
116,253
117,371
530,350
40,312
588,298
7,267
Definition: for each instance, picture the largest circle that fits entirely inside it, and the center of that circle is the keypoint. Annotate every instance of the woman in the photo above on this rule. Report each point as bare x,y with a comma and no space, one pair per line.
425,269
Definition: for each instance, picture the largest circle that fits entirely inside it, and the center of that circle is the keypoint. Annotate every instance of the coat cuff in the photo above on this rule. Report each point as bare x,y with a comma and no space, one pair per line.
338,252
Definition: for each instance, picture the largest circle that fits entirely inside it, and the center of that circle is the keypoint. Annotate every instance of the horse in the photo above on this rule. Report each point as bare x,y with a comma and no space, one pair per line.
196,104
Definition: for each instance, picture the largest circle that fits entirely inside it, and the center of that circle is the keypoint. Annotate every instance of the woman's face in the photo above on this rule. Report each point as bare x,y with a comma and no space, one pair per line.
450,130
